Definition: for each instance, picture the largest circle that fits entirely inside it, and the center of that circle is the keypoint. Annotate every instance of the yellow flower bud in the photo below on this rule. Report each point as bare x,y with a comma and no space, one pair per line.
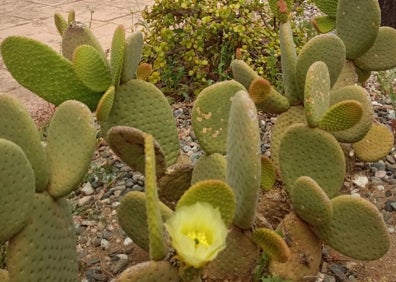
197,233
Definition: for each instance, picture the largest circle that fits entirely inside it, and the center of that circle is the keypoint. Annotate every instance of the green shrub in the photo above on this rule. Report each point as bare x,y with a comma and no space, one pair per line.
191,43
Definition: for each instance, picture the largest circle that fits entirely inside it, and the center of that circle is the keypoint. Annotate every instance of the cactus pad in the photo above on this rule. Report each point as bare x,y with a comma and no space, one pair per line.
275,103
69,157
45,249
375,145
43,71
356,223
329,7
243,73
77,34
209,167
358,131
128,144
305,248
91,68
259,90
310,202
136,103
294,115
324,24
380,56
318,155
317,93
17,189
132,217
244,158
105,104
150,271
342,116
117,54
17,126
348,76
272,244
174,183
133,53
210,115
268,173
215,192
60,23
237,261
357,24
327,48
158,247
288,61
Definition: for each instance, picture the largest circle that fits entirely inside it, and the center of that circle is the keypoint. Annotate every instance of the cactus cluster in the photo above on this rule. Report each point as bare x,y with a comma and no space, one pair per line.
321,107
36,219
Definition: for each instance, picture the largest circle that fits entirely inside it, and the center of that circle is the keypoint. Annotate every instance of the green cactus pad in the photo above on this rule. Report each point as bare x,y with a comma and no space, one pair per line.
329,7
318,155
275,103
215,192
91,68
45,249
305,248
244,158
150,271
77,34
117,54
317,93
17,189
363,75
69,157
60,23
133,53
43,71
268,173
356,230
209,167
310,202
259,90
358,131
324,24
17,126
327,48
143,71
288,61
272,244
381,56
348,76
128,144
342,116
210,115
71,16
375,145
157,243
243,73
357,24
132,217
105,104
141,105
236,262
294,115
174,183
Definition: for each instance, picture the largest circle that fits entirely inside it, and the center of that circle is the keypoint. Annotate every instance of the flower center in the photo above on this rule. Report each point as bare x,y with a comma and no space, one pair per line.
198,237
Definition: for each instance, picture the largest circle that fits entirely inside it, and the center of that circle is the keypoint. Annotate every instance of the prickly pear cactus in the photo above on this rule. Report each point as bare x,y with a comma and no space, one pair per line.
36,218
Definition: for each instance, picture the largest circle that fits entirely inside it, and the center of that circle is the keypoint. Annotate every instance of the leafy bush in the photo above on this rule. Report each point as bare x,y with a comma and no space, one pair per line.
191,43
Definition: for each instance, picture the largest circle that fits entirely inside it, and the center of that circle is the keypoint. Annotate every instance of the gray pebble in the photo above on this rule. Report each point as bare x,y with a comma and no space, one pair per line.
104,244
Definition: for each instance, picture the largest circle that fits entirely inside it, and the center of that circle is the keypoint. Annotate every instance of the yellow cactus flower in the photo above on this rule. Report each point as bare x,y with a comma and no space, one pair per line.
197,233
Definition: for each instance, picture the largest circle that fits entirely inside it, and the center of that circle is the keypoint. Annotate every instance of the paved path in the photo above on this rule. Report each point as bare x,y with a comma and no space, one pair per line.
34,19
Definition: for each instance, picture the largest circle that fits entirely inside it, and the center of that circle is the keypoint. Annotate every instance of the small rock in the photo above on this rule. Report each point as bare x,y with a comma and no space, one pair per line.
104,244
120,264
388,193
137,188
390,159
95,274
380,174
328,278
391,229
128,241
84,200
360,180
106,234
96,242
87,189
339,271
380,187
390,205
380,165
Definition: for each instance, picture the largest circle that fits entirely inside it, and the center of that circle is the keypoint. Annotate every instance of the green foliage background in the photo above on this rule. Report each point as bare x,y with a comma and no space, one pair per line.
191,43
